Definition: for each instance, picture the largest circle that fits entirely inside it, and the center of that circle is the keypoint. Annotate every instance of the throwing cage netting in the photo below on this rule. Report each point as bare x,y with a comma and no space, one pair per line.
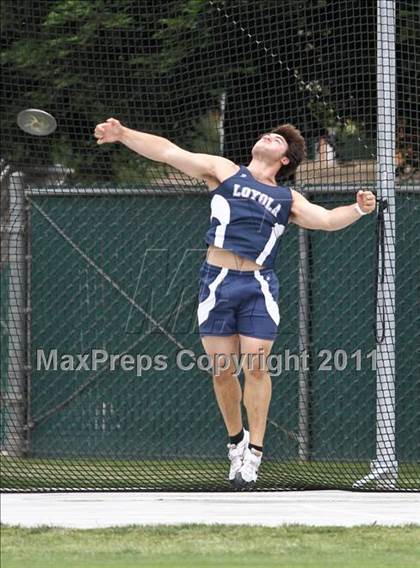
102,382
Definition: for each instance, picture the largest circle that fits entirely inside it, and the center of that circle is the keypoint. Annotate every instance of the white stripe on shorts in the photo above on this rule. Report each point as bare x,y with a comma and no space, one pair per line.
205,307
270,303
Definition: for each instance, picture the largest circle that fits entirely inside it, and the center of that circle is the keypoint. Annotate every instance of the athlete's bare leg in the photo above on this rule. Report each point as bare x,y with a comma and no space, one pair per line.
226,384
257,391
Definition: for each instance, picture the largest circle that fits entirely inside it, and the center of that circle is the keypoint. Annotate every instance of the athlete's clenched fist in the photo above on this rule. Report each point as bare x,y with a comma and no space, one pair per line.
109,131
366,200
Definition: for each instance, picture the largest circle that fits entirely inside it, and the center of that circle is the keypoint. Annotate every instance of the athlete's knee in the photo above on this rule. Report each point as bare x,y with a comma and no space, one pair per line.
221,374
223,365
256,366
255,374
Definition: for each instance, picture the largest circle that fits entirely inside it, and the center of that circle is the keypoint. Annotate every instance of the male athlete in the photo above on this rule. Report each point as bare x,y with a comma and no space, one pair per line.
238,313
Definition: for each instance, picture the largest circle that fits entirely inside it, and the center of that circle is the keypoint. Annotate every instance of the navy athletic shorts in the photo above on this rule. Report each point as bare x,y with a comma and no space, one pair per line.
238,302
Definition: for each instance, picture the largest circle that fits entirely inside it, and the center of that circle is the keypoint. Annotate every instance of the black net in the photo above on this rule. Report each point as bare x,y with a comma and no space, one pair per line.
102,382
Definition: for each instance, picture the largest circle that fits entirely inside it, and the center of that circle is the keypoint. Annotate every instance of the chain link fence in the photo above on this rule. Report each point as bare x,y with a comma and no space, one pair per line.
104,380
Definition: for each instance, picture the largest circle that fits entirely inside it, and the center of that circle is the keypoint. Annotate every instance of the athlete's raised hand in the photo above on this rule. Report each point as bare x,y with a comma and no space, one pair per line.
366,200
109,131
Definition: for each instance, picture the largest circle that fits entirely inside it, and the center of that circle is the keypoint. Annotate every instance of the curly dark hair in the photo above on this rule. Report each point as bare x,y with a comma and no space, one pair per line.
296,151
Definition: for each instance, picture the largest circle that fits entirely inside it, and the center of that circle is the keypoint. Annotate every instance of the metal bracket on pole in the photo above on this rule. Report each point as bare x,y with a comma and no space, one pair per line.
384,469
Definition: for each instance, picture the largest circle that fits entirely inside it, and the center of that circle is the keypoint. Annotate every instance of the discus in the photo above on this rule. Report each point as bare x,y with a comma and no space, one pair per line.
36,122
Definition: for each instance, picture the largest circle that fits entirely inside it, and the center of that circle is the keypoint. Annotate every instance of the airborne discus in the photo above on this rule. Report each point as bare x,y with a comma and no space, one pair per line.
37,122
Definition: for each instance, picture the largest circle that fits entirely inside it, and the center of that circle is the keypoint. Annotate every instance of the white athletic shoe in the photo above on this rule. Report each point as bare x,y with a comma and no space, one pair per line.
248,473
236,455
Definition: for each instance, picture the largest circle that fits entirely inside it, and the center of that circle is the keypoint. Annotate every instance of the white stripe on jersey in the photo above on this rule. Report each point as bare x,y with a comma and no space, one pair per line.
270,303
205,307
220,210
276,232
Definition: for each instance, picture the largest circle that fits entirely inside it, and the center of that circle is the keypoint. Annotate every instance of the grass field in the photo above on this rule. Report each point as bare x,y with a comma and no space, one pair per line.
196,546
183,475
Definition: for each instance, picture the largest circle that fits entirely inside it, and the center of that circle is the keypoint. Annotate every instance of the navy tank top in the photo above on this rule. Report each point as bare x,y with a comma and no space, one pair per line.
249,217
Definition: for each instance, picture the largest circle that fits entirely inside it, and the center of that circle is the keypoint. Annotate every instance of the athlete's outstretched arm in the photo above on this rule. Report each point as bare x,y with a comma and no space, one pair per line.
200,166
311,216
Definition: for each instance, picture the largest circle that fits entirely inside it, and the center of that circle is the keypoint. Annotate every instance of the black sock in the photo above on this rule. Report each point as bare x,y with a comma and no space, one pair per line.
238,438
253,446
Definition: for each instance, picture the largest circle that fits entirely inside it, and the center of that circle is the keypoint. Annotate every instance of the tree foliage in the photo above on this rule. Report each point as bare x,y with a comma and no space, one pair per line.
163,66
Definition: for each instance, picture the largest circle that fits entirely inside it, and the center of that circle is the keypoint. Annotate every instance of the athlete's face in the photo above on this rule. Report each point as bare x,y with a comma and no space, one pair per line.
271,146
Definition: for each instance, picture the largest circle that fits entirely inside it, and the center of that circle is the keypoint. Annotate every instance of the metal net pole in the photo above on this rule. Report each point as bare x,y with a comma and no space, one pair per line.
384,469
